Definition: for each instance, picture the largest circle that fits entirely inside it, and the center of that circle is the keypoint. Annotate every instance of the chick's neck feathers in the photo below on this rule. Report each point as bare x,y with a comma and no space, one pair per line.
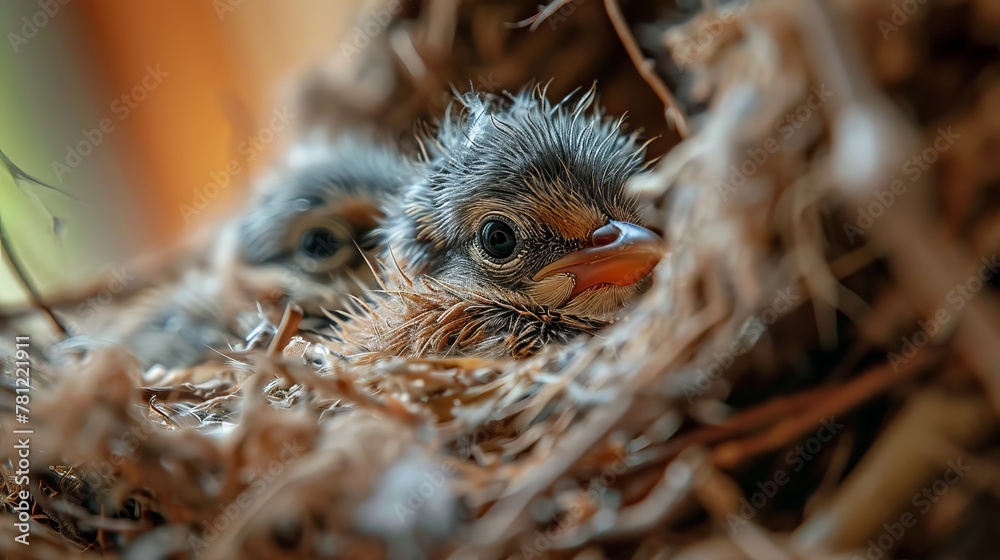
431,317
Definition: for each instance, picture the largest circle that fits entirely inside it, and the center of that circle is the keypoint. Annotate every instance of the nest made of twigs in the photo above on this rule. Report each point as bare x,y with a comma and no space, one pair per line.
813,358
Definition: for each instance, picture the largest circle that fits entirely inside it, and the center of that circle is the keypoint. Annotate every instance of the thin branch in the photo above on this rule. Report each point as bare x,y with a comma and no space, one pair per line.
22,276
673,111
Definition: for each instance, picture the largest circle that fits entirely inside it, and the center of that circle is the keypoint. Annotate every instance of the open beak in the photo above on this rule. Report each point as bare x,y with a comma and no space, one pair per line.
620,253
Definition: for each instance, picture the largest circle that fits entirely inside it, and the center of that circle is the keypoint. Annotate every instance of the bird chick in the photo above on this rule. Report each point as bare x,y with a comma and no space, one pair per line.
300,241
303,240
519,232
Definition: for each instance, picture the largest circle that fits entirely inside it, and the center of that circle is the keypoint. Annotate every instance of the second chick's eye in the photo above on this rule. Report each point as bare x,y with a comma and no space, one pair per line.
498,239
319,243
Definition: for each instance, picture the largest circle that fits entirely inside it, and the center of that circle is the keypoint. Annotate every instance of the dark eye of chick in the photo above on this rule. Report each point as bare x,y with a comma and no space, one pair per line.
498,239
319,243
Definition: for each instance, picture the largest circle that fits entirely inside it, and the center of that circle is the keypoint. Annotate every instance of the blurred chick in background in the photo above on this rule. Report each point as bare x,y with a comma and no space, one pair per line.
519,233
301,240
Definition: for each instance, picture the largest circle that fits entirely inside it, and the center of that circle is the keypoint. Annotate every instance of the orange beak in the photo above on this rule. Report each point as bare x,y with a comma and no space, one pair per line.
620,253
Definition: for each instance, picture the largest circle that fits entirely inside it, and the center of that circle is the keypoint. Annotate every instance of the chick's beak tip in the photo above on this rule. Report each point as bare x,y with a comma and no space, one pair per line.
620,253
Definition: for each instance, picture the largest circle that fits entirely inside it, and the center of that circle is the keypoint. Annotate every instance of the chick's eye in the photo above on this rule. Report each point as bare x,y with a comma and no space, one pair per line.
498,239
319,243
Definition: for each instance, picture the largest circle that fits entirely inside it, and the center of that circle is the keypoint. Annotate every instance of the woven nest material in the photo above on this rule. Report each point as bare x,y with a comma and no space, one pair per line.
814,373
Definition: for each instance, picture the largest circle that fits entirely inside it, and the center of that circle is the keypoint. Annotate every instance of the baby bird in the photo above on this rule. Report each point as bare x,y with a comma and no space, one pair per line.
301,241
518,233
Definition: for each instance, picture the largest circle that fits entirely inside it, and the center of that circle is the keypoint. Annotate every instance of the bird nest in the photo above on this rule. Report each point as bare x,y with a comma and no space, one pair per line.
813,373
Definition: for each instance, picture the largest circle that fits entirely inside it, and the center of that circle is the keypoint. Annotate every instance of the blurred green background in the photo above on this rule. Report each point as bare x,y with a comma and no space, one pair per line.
63,68
43,100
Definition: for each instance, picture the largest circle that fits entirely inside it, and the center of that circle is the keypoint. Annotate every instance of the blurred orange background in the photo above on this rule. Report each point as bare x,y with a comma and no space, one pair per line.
177,88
